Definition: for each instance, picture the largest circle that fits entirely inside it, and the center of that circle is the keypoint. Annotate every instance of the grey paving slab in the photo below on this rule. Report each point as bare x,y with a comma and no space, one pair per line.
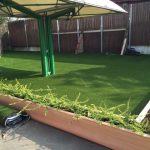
37,136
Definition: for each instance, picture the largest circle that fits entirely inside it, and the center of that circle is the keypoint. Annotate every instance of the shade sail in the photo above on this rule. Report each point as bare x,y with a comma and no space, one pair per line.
129,1
76,8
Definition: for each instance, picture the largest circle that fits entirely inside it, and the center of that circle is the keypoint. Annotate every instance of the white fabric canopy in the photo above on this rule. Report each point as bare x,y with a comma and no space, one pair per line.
82,8
103,4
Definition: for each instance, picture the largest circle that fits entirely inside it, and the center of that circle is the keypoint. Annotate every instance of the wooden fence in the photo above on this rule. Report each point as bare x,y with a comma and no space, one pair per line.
99,33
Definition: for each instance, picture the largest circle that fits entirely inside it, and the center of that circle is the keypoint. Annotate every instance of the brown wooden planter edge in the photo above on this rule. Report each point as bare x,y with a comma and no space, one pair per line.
103,134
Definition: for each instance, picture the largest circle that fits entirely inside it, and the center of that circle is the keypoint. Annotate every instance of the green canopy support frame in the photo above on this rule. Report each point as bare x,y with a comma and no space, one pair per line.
52,64
20,8
46,40
53,10
45,37
45,33
44,48
42,33
50,44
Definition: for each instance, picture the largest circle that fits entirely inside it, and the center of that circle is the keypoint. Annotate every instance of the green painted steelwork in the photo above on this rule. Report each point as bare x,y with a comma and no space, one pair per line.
45,4
45,32
63,12
65,8
47,25
43,47
21,8
50,45
42,33
45,58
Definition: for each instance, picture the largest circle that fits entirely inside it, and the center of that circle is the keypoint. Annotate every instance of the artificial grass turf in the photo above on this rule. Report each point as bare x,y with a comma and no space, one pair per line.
109,80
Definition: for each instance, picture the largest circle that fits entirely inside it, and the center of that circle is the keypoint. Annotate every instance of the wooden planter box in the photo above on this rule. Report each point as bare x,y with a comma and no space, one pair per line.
103,134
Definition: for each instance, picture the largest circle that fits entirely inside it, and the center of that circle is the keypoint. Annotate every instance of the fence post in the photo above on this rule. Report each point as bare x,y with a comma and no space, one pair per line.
101,28
26,36
130,25
78,29
58,35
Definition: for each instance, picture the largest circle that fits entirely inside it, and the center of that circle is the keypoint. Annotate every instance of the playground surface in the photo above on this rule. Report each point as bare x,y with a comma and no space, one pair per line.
100,79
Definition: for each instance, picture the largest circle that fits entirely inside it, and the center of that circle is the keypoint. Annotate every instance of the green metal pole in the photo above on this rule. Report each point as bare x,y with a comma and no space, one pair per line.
43,47
47,26
50,45
21,8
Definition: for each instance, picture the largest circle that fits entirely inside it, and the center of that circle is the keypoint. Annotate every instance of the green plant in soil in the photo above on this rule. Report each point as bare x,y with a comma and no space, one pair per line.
114,115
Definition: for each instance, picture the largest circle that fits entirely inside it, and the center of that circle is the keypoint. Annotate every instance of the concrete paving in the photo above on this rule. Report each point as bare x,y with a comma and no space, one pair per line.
37,136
